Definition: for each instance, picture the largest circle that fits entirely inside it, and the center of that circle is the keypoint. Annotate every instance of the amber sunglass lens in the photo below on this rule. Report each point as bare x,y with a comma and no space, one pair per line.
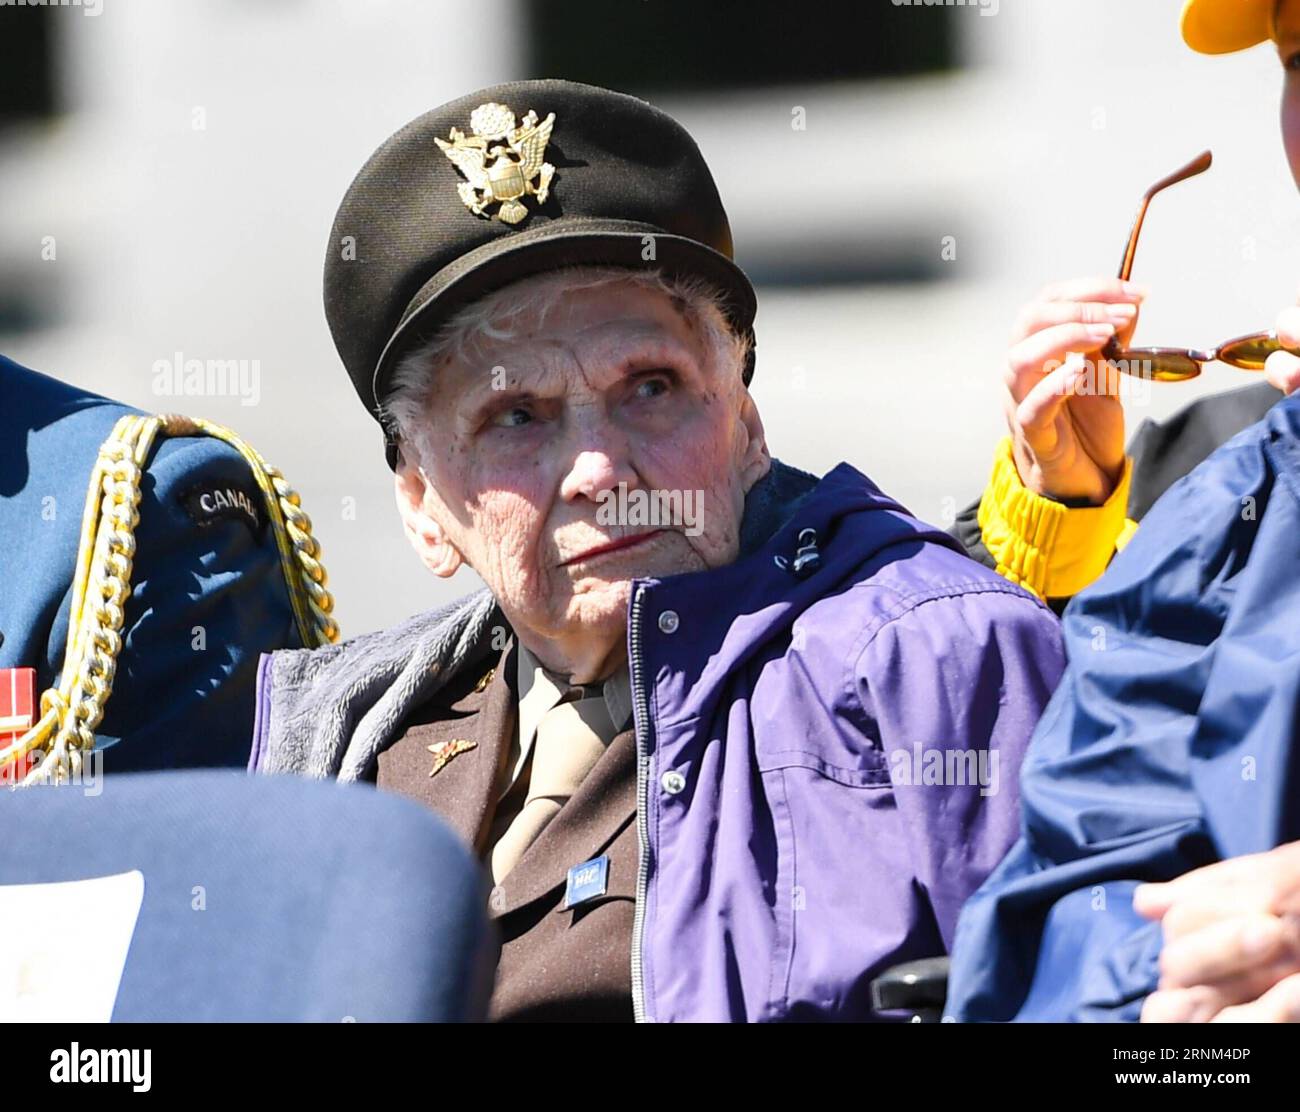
1249,353
1157,364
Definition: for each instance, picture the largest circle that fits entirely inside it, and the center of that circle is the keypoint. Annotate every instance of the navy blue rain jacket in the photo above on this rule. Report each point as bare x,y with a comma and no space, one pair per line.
1169,744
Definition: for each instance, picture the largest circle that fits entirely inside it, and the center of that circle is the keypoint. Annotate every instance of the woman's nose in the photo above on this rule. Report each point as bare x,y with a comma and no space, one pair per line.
601,460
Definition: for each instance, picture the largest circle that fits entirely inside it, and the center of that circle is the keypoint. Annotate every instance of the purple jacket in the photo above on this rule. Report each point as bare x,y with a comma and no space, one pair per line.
828,751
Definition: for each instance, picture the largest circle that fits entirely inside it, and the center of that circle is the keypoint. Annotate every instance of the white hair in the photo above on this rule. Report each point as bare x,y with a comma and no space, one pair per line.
496,317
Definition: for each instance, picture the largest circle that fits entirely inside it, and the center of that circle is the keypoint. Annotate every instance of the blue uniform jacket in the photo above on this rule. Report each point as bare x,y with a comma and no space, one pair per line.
208,594
1168,745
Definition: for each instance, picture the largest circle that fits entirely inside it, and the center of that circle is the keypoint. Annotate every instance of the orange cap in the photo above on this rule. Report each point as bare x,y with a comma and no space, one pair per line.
1222,26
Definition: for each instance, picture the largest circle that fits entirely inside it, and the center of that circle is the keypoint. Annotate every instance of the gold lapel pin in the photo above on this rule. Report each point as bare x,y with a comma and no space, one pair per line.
443,751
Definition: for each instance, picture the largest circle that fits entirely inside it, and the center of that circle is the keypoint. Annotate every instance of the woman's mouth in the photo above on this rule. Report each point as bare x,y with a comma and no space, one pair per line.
611,546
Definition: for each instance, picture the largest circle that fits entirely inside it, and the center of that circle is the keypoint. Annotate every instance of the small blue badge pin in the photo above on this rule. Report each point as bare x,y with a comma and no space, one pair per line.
587,881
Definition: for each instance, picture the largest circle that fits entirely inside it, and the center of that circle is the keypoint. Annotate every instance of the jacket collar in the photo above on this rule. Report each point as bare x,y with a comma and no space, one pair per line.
478,725
540,689
451,753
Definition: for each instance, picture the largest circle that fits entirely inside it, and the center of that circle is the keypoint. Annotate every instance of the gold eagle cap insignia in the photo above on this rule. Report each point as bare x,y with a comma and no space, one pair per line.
502,163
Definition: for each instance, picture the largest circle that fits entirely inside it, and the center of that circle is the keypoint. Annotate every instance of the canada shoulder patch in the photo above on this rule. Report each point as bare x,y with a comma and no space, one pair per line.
210,502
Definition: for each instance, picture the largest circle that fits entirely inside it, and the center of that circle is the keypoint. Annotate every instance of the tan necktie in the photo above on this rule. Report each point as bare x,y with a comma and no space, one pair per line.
566,748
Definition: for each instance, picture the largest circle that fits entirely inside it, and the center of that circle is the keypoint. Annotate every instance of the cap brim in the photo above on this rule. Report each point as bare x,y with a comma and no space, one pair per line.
576,241
1225,26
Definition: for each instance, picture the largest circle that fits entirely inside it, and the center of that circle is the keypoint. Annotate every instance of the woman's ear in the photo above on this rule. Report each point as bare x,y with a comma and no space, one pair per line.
757,460
427,537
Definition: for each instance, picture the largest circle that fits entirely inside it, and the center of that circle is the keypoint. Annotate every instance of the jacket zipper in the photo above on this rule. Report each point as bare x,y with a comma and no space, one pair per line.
642,819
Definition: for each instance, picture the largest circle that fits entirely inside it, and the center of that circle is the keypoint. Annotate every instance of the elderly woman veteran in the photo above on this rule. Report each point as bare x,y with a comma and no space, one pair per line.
724,764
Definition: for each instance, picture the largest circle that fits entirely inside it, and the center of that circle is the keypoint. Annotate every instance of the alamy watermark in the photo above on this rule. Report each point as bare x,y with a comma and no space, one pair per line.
89,777
656,509
921,766
1128,379
88,7
986,7
179,377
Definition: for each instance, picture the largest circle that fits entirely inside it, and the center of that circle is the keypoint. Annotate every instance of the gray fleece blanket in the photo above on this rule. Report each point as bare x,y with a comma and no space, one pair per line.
330,712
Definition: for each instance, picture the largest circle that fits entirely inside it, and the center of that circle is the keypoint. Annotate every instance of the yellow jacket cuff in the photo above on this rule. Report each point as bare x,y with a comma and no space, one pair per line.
1044,546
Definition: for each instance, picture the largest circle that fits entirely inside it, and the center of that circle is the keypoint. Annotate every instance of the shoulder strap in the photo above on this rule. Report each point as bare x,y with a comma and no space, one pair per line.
74,706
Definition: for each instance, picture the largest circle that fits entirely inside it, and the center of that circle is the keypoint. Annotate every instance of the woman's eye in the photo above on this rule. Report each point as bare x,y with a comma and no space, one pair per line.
512,418
652,387
1292,62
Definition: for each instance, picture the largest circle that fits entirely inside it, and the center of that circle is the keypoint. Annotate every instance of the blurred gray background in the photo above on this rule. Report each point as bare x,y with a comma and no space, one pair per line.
184,161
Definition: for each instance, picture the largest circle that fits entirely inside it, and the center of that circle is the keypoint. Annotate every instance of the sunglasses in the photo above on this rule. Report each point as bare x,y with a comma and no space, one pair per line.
1165,364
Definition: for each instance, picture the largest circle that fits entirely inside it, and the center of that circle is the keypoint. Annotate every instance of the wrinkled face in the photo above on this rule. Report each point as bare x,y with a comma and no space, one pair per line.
528,437
1288,49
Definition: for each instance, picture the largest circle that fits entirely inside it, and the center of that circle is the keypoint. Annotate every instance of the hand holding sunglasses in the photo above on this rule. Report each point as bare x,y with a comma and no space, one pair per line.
1169,364
1065,417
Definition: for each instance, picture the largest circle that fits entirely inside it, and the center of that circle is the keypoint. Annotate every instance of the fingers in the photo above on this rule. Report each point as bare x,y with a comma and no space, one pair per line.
1282,369
1257,882
1287,326
1185,1005
1067,426
1227,949
1201,1003
1044,314
1231,940
1151,901
1035,416
1280,1004
1080,314
1093,289
1027,359
1193,901
1154,900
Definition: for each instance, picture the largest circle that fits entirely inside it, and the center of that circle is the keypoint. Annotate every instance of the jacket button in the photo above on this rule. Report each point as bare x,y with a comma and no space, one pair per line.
669,621
673,782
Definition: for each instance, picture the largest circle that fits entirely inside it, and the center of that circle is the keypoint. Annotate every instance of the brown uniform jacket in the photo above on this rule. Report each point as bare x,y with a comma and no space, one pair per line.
555,964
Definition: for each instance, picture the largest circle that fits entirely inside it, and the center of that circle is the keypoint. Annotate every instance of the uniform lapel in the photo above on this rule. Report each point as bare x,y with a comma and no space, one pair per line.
463,742
590,819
